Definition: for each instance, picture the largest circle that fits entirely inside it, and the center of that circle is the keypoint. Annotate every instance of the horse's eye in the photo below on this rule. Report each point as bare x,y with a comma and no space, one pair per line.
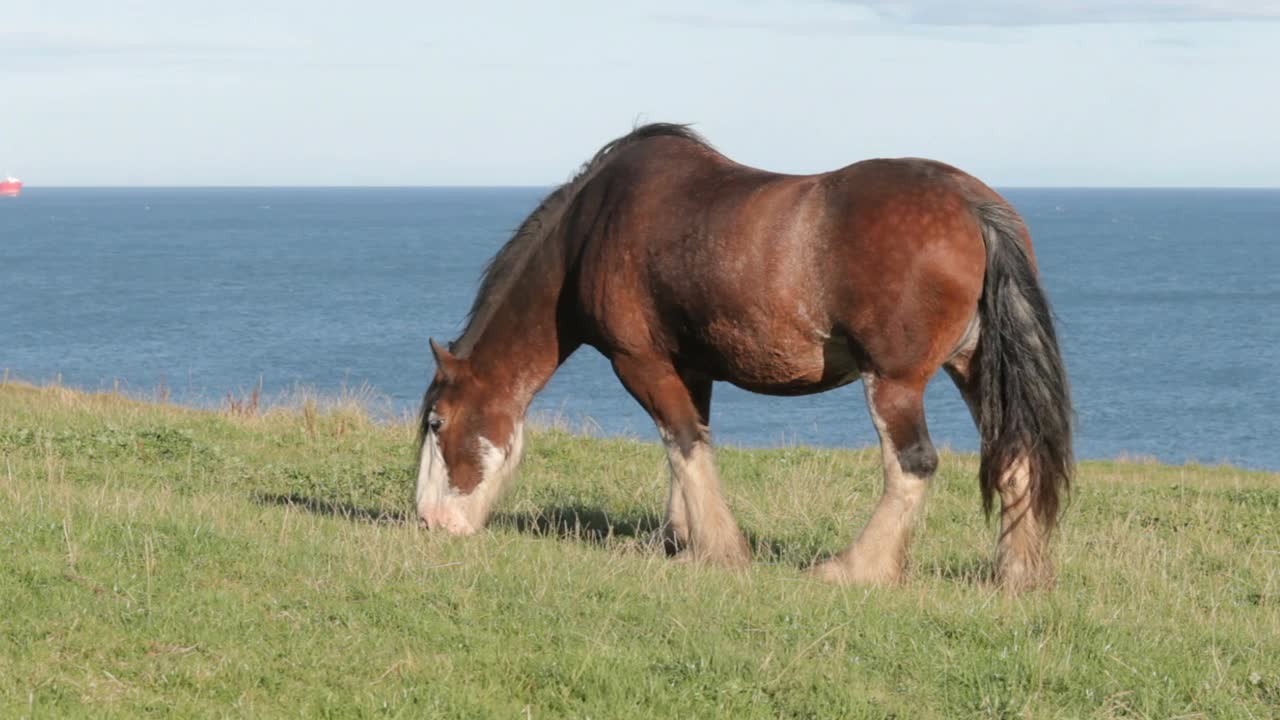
435,424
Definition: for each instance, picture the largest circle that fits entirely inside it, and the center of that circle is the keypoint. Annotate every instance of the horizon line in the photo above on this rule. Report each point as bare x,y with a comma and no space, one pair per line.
27,187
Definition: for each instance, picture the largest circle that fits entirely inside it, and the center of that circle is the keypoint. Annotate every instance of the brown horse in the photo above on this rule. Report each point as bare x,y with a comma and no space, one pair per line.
684,267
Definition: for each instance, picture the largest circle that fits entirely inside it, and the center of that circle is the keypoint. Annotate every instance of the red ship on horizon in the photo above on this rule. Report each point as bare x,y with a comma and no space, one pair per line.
10,187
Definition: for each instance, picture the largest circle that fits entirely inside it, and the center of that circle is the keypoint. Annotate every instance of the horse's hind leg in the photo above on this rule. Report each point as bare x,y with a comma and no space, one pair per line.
1021,561
697,513
909,460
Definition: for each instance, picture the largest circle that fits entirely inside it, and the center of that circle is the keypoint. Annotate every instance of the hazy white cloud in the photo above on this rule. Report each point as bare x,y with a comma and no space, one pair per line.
35,46
1068,12
405,92
793,25
72,50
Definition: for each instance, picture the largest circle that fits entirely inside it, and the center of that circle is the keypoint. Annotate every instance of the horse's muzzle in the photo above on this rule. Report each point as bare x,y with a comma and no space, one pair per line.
444,517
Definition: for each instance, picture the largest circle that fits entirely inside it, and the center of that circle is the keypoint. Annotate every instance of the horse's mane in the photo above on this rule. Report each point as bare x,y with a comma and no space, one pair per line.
506,267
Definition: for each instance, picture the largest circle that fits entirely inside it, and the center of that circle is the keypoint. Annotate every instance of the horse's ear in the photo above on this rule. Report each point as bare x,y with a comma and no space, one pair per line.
445,360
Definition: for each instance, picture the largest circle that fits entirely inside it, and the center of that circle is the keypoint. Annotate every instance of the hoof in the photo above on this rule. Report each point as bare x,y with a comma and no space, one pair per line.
735,556
731,560
842,571
1019,576
737,561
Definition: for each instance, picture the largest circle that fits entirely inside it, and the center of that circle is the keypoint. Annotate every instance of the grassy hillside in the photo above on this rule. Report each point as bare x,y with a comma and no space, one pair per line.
161,560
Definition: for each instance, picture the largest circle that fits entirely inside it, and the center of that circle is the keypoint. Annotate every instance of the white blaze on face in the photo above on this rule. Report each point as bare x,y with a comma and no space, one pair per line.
441,506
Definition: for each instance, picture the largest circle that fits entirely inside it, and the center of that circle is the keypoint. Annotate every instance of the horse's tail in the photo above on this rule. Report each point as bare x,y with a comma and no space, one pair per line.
1023,404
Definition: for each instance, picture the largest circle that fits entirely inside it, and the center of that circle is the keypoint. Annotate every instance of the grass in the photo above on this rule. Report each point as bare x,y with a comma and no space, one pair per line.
157,560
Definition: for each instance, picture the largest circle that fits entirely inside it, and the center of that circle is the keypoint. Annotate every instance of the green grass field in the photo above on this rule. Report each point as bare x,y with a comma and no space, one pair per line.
156,560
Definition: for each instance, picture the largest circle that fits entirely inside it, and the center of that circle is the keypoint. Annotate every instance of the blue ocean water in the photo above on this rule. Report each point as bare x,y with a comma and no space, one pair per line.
1169,307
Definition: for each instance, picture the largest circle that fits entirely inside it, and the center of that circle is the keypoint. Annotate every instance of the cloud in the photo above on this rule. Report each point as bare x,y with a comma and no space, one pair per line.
1067,12
798,26
41,49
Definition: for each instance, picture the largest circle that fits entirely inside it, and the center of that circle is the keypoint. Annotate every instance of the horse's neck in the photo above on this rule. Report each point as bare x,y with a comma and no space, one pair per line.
523,343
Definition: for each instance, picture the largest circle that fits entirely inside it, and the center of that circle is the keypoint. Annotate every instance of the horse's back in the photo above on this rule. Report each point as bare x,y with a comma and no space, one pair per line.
780,283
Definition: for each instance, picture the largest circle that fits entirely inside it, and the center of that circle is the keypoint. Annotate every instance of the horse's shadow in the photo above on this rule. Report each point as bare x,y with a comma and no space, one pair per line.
594,526
566,522
579,523
333,508
582,523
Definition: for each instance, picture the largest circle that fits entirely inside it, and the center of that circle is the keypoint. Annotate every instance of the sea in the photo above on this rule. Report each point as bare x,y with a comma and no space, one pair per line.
1168,306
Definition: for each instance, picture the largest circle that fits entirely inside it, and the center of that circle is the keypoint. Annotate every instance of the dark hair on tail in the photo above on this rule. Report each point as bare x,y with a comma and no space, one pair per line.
1024,408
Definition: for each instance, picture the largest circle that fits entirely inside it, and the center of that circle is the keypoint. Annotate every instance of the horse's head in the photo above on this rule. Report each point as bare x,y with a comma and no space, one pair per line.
472,436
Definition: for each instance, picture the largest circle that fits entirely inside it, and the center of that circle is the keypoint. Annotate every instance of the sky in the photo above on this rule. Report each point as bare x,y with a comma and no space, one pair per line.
493,92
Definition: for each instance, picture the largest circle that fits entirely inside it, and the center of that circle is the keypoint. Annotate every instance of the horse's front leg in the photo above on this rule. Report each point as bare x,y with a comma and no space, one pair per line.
698,518
675,533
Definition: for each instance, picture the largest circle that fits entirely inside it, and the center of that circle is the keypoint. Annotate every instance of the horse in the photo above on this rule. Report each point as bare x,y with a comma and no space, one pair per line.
684,268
